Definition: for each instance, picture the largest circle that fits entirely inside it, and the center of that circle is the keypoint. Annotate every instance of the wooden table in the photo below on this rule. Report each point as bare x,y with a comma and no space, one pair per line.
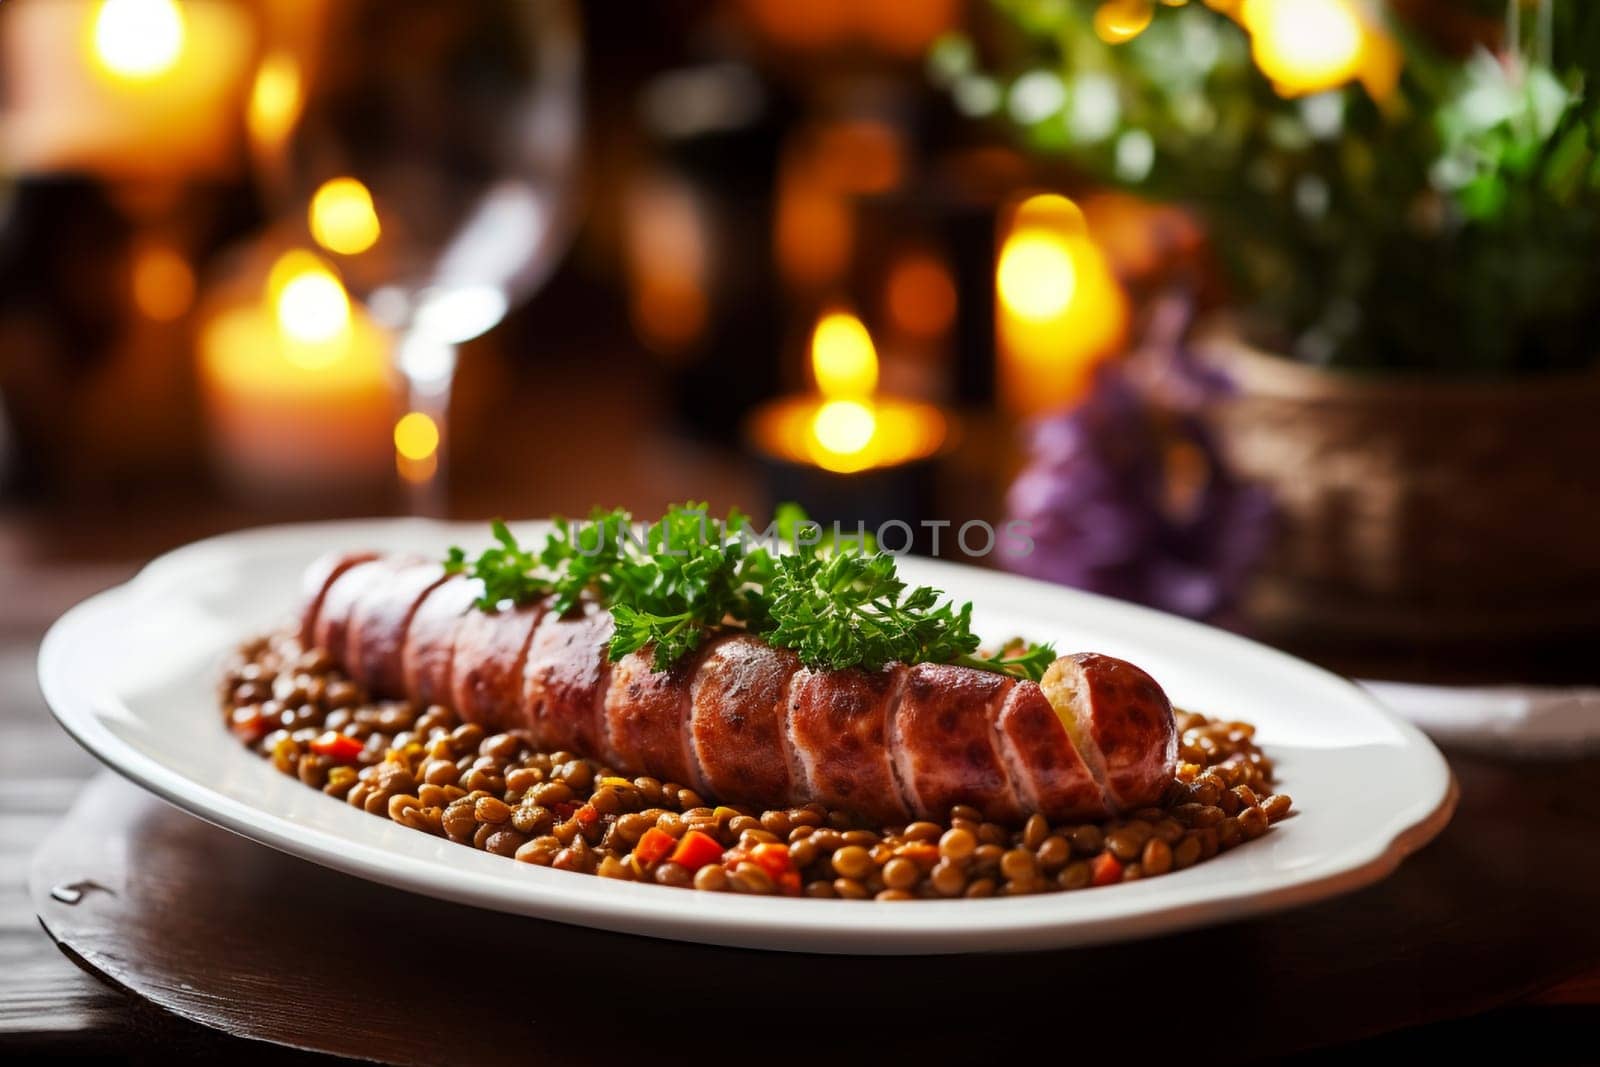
1490,936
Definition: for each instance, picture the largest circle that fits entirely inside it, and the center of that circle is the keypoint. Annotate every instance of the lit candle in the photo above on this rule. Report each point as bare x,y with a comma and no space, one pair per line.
849,452
847,427
297,387
122,88
1058,309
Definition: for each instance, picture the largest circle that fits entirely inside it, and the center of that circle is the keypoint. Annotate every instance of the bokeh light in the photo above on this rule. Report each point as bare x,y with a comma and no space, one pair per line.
921,296
138,39
416,436
343,218
1059,308
1305,46
310,304
844,429
813,230
163,283
1116,21
275,99
1036,277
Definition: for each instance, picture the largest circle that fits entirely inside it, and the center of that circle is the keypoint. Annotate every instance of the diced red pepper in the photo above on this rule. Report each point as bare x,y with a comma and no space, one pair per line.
248,724
696,850
588,815
341,748
773,858
653,846
1105,869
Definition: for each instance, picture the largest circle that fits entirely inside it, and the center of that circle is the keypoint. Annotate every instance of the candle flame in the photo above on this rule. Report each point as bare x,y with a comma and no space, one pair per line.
343,218
138,39
312,308
843,359
844,362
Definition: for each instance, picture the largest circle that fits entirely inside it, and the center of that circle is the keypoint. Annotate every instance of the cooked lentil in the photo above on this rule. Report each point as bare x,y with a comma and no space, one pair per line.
425,769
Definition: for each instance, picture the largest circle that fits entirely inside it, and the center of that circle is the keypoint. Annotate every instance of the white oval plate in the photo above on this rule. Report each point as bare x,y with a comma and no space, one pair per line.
132,674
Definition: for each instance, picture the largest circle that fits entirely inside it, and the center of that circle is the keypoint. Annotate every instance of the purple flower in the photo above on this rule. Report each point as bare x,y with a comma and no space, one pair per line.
1128,495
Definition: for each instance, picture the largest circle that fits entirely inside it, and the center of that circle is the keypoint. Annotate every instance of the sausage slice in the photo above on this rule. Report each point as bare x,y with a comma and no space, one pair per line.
944,742
1122,724
322,573
1051,776
486,675
428,652
647,717
332,624
839,727
378,624
737,720
565,680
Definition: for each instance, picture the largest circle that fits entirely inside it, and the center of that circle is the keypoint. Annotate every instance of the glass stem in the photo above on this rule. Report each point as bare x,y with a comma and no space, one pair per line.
428,366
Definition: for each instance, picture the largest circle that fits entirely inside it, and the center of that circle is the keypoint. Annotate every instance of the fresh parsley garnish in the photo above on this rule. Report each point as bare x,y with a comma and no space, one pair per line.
687,576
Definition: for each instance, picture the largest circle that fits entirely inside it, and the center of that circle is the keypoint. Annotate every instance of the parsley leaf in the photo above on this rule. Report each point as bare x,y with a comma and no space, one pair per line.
686,576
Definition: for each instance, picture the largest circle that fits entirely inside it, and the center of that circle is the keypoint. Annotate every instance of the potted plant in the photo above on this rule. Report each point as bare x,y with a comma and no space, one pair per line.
1404,201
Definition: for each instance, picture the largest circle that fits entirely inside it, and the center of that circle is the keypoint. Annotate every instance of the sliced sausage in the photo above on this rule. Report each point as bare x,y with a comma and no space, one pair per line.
333,618
944,743
1043,762
744,722
565,680
486,675
1122,723
738,706
430,642
378,624
314,585
647,717
839,727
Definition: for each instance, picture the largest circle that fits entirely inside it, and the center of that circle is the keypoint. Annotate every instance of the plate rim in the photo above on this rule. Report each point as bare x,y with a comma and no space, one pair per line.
75,710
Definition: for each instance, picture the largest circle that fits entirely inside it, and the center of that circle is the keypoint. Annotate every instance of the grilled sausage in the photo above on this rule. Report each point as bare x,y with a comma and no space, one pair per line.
944,742
738,720
744,722
1121,721
314,585
331,624
647,712
839,726
1044,764
565,683
487,667
378,623
429,646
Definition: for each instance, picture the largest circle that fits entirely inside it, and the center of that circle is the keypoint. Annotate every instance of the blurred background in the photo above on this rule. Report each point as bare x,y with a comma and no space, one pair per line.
1275,313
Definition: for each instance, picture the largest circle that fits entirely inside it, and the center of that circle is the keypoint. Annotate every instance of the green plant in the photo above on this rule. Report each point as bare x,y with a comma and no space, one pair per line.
1431,204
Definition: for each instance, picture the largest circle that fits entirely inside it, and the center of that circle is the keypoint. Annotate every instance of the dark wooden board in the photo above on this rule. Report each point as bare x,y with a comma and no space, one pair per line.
261,945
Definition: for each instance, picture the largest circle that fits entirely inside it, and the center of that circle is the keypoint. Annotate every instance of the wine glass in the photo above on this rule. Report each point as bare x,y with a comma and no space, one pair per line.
430,149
